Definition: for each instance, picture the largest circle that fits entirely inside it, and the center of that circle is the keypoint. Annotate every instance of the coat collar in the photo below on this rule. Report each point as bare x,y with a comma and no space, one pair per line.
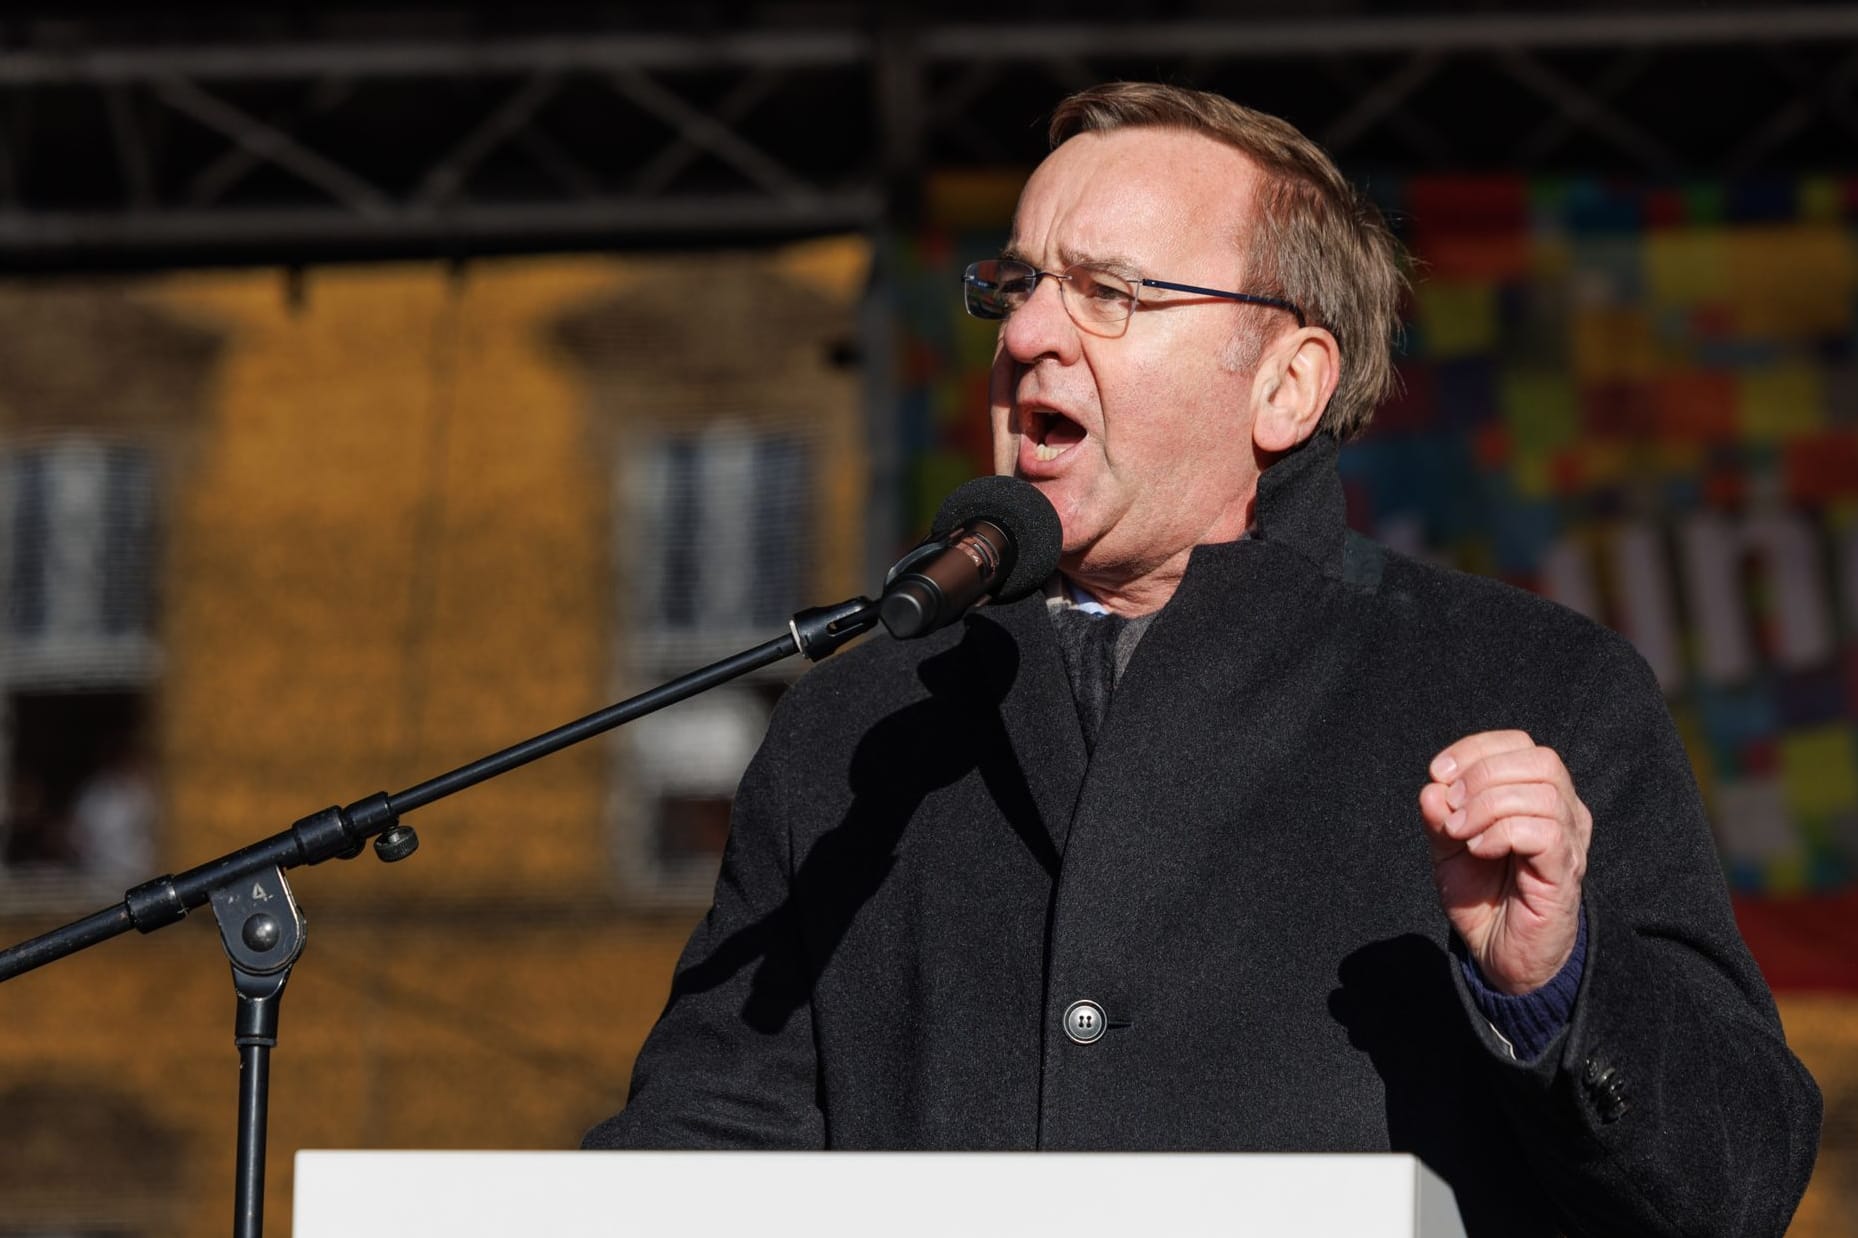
1300,504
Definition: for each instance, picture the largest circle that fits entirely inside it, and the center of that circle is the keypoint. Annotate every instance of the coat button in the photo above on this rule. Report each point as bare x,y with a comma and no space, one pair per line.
1084,1021
1606,1088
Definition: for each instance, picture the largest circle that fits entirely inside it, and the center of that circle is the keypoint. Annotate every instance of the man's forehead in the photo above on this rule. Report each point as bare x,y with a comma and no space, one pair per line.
1111,198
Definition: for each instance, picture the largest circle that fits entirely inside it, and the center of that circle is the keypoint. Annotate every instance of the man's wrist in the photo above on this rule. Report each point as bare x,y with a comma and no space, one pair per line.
1530,1022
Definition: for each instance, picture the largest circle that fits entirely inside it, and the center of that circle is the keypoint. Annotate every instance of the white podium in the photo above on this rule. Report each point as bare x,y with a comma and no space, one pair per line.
897,1194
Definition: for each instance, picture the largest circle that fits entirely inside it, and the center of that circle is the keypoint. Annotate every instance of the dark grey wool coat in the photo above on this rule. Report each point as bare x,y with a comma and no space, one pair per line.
925,870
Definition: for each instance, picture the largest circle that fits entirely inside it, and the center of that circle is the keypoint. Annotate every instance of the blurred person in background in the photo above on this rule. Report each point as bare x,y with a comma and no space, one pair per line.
1251,834
113,817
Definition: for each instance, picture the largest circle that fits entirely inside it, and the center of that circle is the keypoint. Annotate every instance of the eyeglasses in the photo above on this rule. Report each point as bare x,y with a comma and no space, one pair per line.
1098,301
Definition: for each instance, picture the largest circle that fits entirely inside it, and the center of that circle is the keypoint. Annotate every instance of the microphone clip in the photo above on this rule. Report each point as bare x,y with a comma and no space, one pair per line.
937,581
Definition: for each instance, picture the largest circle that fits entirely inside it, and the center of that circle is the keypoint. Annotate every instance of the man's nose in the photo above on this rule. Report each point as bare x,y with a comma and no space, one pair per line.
1042,327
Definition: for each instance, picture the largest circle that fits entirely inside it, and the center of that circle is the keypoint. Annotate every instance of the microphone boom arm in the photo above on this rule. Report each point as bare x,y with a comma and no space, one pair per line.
994,536
339,833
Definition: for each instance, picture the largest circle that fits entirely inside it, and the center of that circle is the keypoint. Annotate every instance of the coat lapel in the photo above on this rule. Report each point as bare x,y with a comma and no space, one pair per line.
1029,720
1008,678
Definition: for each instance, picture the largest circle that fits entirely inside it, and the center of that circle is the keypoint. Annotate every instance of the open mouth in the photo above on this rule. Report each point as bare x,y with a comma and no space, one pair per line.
1052,433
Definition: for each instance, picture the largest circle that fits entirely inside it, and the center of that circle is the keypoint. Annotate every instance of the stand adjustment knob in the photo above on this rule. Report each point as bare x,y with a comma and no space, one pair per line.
262,933
396,842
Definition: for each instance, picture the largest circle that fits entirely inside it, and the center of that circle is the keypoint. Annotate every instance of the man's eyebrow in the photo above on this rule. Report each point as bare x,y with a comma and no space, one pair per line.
1103,262
1095,259
1068,258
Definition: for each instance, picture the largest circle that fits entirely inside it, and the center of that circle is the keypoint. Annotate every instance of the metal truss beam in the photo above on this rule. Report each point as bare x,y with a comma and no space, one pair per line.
426,59
1469,32
317,148
962,42
239,231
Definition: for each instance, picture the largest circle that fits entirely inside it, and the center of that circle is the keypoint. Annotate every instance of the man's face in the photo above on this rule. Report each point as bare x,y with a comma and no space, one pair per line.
1142,442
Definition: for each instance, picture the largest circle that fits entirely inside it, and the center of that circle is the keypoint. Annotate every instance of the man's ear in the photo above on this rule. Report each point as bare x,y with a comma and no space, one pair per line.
1291,388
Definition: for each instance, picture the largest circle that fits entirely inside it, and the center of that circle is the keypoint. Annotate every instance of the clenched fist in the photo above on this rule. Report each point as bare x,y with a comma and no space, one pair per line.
1509,849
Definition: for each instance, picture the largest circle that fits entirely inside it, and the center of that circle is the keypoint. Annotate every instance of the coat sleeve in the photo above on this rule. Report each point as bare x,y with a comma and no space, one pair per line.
1671,1105
731,1062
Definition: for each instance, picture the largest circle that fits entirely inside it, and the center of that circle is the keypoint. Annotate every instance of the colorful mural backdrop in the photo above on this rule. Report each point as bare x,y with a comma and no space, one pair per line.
1641,401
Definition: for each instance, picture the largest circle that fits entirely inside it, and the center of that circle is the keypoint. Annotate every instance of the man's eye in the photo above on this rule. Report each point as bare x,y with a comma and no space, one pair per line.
1107,291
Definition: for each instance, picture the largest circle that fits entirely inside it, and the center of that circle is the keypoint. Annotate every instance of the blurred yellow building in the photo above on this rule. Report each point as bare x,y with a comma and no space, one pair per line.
273,541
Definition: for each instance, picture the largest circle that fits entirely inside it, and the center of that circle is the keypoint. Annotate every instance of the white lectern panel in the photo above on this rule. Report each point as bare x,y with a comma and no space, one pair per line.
900,1195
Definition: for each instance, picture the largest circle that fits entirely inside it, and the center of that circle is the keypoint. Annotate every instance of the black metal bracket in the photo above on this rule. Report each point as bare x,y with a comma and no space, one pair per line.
263,932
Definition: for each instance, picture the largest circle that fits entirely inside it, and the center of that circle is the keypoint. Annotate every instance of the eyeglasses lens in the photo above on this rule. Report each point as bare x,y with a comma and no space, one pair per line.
1096,300
995,288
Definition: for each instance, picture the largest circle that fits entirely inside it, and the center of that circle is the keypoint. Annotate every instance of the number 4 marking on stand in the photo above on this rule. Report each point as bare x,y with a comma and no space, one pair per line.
258,892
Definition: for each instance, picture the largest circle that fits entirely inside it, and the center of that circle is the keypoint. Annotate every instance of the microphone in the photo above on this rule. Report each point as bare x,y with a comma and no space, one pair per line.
993,537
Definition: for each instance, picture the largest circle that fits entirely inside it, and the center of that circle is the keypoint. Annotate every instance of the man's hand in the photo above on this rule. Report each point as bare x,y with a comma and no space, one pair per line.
1509,848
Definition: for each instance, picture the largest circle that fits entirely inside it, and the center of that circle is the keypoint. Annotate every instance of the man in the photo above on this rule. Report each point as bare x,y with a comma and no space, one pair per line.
1140,865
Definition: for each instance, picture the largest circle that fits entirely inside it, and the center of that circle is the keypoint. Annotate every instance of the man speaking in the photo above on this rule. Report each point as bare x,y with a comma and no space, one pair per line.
1248,834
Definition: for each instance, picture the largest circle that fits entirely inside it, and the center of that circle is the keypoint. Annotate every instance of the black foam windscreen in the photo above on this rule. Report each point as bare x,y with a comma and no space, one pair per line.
1028,518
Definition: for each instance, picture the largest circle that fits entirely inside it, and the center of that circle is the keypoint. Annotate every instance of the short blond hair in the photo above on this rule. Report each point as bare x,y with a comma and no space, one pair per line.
1317,240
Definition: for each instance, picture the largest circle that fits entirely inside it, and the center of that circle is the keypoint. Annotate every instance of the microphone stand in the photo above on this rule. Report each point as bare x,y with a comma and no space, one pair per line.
260,925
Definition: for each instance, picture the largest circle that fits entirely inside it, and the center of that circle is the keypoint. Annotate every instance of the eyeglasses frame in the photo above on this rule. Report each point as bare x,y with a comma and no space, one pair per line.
968,277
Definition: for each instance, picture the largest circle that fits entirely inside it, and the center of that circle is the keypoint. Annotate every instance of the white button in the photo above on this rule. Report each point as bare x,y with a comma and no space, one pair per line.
1084,1021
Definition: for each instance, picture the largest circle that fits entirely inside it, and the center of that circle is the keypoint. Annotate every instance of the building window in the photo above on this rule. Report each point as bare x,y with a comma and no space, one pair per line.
721,538
716,534
78,661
